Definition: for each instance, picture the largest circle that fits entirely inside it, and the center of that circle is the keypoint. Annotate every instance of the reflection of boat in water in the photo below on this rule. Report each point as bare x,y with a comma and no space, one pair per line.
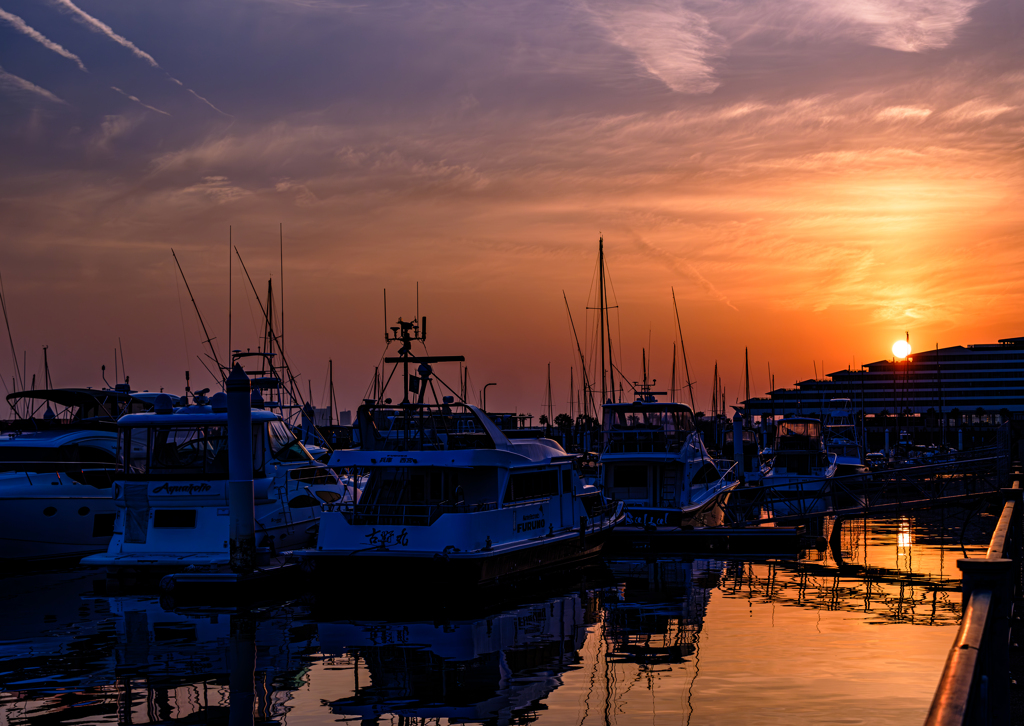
658,610
487,670
71,655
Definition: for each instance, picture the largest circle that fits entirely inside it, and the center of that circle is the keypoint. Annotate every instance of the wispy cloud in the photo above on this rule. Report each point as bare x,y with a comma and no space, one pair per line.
102,28
670,41
99,26
134,98
22,27
12,81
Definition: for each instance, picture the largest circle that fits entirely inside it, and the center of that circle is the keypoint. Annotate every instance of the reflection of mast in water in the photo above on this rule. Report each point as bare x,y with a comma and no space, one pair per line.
896,594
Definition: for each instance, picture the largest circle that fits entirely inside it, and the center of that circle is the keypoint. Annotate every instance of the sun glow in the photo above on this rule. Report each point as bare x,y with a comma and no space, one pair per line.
901,349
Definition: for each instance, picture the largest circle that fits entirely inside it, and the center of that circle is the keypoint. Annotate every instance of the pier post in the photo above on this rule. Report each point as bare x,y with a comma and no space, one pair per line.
241,508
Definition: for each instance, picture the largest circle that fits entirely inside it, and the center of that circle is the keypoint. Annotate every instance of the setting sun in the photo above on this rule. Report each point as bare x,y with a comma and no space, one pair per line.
901,349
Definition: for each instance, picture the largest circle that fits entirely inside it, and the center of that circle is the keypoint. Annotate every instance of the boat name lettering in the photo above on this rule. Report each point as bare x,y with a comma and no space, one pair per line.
183,488
530,525
384,537
384,635
400,460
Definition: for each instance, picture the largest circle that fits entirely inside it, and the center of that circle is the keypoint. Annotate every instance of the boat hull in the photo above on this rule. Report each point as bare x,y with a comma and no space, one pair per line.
387,568
44,525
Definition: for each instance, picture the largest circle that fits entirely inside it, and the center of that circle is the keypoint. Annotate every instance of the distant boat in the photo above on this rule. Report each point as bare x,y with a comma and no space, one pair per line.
841,438
171,488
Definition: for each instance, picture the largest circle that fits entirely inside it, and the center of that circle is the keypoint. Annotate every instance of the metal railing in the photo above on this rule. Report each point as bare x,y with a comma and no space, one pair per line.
975,684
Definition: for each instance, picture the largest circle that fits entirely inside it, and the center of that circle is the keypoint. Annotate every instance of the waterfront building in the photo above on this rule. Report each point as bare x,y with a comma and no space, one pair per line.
967,384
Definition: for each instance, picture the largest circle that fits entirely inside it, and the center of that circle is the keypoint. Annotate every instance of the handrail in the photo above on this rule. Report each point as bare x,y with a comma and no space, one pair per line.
974,687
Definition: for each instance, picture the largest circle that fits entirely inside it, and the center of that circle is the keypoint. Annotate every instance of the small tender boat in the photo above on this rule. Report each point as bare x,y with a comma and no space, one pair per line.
449,499
171,488
56,471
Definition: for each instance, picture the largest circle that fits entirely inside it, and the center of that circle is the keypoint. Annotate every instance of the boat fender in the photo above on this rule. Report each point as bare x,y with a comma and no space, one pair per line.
583,531
487,544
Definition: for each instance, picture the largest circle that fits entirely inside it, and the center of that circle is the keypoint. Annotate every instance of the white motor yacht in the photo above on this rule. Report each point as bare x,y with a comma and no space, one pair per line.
171,489
56,470
450,499
799,460
654,461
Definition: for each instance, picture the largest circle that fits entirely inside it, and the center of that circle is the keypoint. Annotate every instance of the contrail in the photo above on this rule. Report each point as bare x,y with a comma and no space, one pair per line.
104,29
101,27
13,81
146,105
22,27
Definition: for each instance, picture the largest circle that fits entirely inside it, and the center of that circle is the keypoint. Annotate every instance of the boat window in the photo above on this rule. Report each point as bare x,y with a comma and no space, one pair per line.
174,518
566,481
412,485
527,485
797,435
283,444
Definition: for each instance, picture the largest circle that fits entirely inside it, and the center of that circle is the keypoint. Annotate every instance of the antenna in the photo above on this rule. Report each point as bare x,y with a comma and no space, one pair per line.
386,338
46,370
124,371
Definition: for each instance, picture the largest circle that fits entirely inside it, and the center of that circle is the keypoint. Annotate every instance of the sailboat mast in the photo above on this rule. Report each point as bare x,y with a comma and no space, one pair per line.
601,306
330,399
672,388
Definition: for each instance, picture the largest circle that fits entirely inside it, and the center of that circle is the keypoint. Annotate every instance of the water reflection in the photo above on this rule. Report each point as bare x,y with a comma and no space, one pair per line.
638,641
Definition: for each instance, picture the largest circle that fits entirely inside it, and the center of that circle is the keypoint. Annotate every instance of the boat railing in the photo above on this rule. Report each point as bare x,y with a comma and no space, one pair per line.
975,683
421,515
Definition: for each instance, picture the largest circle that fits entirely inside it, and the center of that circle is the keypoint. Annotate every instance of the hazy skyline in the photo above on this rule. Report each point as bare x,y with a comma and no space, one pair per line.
814,179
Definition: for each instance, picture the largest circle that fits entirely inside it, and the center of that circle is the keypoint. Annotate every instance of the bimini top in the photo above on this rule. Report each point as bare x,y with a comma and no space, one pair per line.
90,402
189,415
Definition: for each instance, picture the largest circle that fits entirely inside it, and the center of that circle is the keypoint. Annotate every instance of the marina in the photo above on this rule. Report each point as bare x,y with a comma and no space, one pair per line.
718,417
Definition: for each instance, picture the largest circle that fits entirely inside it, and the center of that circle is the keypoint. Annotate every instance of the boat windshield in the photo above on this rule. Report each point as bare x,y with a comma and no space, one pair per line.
184,452
668,421
798,435
283,444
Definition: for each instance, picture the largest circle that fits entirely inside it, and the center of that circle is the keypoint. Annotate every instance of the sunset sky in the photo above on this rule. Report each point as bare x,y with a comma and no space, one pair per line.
814,178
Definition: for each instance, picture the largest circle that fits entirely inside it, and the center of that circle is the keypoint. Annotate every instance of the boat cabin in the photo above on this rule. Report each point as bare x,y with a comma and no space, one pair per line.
642,427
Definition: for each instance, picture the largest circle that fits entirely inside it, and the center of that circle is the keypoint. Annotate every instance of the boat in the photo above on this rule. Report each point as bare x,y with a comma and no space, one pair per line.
841,438
170,489
57,461
654,461
798,460
450,499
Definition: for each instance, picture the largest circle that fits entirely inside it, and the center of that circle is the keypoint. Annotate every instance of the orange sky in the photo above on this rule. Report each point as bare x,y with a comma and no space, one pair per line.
814,180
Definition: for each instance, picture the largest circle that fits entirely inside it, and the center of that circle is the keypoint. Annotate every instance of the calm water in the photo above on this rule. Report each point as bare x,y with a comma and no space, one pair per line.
675,641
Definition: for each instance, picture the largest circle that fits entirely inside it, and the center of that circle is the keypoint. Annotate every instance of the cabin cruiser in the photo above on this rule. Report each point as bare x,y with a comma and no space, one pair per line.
450,499
57,460
170,488
798,460
841,438
654,461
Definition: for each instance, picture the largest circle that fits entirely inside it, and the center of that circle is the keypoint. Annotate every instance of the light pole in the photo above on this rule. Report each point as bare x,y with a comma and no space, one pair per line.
483,396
